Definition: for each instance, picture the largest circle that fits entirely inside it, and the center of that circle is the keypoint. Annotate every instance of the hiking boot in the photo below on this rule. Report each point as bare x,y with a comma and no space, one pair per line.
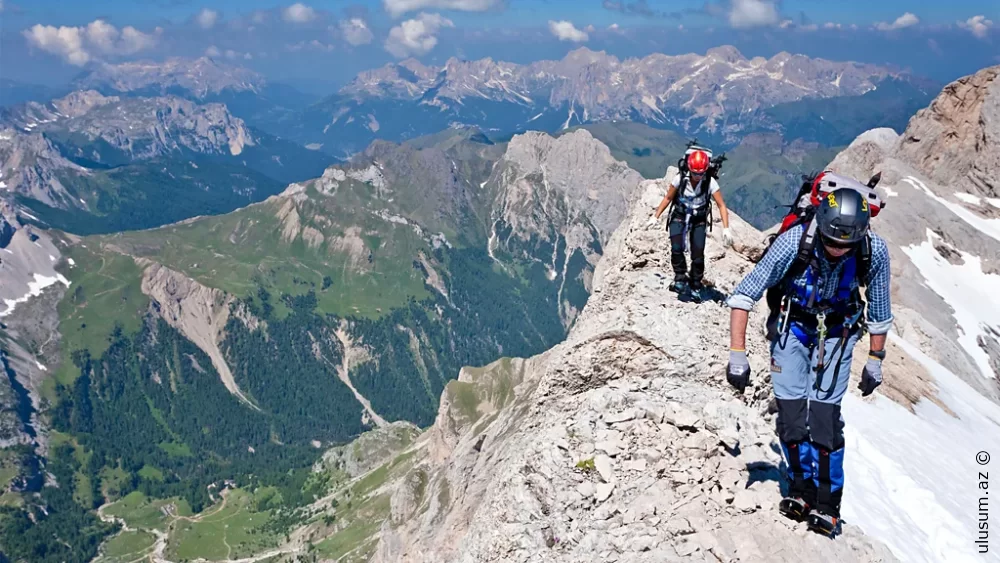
679,286
825,524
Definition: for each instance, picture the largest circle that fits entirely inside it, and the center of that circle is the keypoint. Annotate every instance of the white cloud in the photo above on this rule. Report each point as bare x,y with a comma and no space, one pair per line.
231,54
416,36
102,35
397,8
248,56
903,21
259,16
785,24
78,45
298,13
206,18
978,25
212,51
809,27
753,13
831,25
134,40
613,27
590,28
356,31
313,45
1,6
566,31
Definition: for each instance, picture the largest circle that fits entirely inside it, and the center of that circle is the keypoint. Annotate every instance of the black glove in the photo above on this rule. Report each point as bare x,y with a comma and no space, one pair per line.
738,370
871,376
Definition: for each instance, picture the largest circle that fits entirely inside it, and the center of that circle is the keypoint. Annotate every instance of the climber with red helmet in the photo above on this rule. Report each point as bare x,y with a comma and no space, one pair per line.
690,192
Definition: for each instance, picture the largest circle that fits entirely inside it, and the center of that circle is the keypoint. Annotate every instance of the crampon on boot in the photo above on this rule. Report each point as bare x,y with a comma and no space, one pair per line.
794,508
800,500
825,524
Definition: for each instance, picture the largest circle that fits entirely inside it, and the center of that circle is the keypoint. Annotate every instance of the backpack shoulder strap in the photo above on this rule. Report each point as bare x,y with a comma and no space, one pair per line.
864,260
804,256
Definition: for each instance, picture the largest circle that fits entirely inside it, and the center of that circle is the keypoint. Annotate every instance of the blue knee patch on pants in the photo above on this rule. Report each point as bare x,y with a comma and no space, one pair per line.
801,458
836,470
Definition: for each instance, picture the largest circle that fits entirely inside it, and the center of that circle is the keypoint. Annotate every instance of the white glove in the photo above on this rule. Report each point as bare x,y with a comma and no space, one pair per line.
727,236
652,221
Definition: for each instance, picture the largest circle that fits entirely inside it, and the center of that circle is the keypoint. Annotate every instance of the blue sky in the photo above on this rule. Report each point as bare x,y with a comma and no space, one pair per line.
318,45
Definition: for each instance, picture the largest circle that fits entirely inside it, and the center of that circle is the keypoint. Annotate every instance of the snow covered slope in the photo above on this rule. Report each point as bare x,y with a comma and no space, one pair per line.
913,475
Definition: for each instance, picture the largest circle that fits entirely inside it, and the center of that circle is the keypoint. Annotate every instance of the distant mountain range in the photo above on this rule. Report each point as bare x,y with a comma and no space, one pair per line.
719,96
246,93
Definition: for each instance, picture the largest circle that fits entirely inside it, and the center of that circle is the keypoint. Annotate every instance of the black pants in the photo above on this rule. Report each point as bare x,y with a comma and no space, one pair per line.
697,229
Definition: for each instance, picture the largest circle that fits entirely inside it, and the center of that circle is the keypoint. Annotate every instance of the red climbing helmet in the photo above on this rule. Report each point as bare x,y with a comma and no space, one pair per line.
698,162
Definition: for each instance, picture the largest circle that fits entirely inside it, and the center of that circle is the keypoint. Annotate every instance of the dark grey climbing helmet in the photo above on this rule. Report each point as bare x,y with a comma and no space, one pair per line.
843,217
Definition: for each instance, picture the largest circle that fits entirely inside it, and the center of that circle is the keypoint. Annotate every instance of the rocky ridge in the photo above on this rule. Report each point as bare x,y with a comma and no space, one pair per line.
620,444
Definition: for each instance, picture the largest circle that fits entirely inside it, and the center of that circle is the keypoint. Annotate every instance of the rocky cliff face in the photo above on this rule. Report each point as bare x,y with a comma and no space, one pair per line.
138,127
621,443
31,166
943,224
557,201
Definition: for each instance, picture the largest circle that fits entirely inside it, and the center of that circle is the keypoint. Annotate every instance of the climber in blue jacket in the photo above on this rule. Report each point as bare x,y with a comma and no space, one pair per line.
816,318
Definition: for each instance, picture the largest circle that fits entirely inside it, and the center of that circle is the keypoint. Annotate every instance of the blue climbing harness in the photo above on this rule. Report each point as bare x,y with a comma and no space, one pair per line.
806,300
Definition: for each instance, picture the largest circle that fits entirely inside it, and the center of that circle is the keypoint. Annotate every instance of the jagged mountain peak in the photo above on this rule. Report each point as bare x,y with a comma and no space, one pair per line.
730,54
956,139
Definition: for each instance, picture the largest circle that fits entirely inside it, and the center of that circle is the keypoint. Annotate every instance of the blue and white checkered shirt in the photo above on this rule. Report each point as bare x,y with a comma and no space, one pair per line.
782,253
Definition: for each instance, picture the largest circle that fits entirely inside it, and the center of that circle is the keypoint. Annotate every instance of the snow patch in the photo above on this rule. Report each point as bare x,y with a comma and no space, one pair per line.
889,192
71,262
3,185
904,485
968,198
40,366
990,227
35,288
969,291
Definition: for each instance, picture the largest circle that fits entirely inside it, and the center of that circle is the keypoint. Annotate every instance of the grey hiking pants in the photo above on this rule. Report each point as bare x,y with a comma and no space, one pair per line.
809,424
809,412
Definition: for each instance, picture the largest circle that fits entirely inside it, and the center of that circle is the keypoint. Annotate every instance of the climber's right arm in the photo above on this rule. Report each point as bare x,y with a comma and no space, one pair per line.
768,271
671,193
